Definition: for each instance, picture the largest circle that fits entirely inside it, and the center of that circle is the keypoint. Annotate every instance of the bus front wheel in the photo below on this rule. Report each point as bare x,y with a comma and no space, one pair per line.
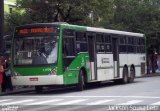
81,82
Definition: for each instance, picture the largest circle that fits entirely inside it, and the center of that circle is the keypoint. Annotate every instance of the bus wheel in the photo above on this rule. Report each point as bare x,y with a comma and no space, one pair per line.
132,75
125,75
38,89
81,82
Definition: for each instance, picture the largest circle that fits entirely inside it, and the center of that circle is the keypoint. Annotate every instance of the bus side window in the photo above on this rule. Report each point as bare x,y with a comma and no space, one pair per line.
100,43
108,46
68,47
81,42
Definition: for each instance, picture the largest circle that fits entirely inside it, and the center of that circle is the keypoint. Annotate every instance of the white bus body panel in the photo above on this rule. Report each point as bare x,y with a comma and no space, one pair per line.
115,65
129,59
92,70
41,80
105,67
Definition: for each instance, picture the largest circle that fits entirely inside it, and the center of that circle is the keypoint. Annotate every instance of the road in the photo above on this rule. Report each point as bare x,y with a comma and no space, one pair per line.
144,91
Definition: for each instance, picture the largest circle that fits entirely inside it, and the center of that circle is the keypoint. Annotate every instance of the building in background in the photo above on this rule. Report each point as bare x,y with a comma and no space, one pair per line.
9,5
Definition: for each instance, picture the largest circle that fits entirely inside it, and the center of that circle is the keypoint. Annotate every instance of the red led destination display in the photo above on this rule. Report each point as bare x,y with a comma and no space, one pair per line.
23,31
42,30
27,31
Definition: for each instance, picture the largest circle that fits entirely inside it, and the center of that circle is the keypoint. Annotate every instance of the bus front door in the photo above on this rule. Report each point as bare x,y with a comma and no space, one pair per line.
115,50
92,56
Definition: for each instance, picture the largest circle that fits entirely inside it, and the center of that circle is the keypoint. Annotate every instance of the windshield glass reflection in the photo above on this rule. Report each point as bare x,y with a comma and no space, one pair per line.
35,50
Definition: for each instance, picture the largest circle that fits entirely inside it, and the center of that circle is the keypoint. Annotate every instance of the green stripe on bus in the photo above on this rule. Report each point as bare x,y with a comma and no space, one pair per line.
104,67
80,28
119,67
130,66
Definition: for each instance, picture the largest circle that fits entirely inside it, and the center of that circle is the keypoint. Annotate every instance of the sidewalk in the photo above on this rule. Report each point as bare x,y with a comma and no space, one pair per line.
151,75
28,89
17,90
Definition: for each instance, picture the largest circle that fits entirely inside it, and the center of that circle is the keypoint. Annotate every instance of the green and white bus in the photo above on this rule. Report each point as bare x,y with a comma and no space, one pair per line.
46,54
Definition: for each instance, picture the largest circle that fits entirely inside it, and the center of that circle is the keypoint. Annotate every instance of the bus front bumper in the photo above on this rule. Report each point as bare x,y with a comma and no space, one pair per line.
38,80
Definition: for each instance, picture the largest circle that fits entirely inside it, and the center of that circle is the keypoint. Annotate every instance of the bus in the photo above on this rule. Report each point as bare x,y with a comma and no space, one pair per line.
46,54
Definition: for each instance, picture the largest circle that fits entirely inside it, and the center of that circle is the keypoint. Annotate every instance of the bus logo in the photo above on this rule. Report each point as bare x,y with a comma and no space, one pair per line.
105,60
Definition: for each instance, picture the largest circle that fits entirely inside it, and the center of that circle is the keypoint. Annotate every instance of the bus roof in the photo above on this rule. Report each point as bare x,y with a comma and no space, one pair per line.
40,24
92,29
115,32
108,31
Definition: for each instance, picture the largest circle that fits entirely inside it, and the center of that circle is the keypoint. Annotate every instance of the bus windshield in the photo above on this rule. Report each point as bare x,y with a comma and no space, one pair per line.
38,50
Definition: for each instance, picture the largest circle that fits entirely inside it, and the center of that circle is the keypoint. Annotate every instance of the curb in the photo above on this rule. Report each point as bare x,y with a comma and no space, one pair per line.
151,75
16,91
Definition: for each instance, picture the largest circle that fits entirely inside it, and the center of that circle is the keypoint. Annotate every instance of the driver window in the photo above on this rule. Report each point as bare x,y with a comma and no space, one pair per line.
68,47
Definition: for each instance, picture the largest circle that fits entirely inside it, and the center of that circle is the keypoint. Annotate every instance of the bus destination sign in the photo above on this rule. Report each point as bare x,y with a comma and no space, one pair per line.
35,30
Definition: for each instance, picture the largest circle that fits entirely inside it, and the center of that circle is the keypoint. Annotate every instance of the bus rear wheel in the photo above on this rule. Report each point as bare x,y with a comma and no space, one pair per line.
81,82
132,75
38,89
125,75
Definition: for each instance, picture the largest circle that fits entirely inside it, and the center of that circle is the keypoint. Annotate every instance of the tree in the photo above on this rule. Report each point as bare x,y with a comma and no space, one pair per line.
70,11
15,19
141,16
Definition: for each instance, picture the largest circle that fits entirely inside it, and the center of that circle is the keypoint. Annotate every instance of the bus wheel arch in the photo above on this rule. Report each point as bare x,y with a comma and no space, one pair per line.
132,74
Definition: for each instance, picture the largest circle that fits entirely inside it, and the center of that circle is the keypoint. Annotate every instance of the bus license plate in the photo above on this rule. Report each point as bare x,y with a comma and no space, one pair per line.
33,79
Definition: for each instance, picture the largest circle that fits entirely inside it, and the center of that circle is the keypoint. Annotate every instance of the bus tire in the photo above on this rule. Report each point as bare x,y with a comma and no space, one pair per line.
125,75
38,89
132,75
81,82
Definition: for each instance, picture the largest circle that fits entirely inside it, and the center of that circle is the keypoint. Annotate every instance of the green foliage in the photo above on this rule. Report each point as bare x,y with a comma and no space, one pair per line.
71,11
15,19
136,16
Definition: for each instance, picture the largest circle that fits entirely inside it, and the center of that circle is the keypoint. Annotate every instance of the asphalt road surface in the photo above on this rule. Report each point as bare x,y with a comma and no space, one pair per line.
97,97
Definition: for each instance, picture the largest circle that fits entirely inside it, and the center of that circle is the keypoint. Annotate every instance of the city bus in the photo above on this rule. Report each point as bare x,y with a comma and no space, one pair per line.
47,54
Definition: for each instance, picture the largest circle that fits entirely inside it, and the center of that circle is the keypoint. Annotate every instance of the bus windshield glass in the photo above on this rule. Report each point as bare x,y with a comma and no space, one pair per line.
36,50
